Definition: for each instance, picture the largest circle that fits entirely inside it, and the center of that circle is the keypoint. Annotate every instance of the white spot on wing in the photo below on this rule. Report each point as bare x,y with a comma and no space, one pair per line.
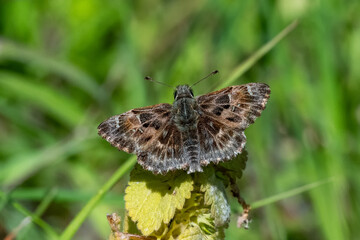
165,132
249,90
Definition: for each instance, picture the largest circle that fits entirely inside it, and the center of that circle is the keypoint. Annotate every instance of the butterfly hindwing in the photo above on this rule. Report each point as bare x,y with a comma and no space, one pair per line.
218,141
165,152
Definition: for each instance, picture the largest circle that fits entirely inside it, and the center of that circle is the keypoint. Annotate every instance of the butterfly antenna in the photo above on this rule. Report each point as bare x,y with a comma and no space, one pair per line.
212,73
152,80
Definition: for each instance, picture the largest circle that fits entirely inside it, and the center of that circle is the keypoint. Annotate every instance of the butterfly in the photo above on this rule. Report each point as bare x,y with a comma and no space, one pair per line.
191,133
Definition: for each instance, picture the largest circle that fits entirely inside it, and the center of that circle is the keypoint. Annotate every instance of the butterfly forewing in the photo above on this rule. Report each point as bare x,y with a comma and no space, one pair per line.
236,106
149,133
135,130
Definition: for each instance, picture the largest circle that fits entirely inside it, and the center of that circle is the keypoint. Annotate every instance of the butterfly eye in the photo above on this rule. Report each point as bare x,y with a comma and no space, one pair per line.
175,94
191,92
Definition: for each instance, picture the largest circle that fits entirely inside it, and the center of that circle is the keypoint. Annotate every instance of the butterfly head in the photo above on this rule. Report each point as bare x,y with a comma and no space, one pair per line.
183,91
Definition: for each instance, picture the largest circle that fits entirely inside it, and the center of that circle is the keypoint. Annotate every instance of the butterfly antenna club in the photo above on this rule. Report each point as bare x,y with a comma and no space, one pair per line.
212,73
152,80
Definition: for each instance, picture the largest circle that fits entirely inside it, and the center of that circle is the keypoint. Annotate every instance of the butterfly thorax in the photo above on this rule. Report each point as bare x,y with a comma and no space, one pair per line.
185,109
185,112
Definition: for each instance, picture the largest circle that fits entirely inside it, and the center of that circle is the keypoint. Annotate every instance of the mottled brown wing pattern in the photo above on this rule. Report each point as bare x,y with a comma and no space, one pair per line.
236,106
163,140
225,115
135,131
149,133
166,151
218,142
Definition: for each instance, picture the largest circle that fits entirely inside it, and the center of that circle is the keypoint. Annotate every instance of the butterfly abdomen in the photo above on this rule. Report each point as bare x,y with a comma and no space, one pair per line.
191,151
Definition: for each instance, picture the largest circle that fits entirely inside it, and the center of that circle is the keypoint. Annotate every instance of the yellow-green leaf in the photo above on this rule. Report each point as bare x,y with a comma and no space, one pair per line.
203,228
192,233
152,199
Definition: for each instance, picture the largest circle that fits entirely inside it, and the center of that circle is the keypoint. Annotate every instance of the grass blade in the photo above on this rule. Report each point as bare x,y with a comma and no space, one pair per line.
10,173
63,195
49,197
36,219
76,77
290,193
51,101
75,224
243,67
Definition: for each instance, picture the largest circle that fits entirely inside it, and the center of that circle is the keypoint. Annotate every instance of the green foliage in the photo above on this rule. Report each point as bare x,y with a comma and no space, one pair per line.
65,66
42,96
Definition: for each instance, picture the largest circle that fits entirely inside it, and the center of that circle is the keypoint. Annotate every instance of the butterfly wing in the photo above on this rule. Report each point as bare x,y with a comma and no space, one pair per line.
225,114
149,133
161,145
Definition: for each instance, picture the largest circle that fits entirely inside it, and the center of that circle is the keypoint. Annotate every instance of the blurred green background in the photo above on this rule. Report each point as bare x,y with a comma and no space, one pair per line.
65,66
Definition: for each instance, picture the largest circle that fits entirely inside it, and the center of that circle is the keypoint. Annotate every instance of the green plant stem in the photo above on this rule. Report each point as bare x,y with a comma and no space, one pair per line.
36,219
4,197
75,224
243,67
46,201
63,195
